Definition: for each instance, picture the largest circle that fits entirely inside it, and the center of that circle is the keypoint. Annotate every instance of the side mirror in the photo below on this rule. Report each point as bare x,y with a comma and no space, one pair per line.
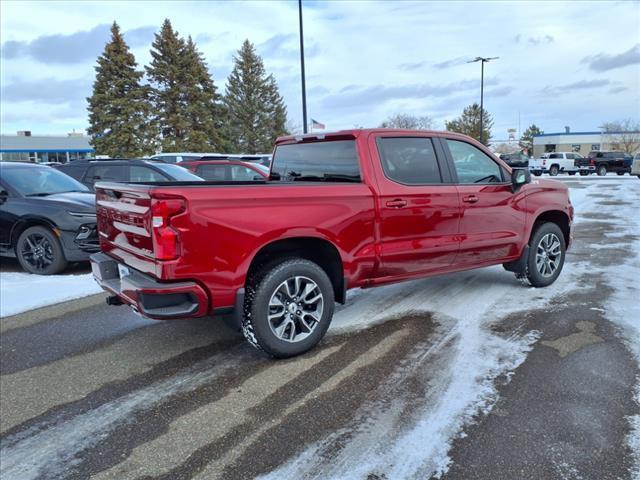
3,195
519,177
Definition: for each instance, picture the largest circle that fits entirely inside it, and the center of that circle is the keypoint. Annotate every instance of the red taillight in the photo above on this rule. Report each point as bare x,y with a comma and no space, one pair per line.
592,162
166,239
544,161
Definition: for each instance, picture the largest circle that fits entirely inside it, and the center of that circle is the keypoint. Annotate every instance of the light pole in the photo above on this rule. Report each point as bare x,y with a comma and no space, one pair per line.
482,61
304,87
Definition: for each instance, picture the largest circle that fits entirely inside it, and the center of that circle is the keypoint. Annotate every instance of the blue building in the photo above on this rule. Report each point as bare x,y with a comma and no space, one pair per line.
25,147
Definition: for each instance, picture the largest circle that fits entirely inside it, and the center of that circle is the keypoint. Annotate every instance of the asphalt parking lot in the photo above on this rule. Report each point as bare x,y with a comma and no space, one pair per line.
463,376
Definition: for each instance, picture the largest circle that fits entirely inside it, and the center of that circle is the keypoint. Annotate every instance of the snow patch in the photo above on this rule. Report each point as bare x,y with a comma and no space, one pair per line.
24,291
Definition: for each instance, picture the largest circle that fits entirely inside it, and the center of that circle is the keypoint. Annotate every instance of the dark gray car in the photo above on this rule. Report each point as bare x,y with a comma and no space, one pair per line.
47,219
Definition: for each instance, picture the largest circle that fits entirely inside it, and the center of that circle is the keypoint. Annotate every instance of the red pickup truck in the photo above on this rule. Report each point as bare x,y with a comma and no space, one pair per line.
355,208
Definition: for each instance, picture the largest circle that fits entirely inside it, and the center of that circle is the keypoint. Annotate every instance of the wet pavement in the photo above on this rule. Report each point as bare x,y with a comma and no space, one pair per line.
469,375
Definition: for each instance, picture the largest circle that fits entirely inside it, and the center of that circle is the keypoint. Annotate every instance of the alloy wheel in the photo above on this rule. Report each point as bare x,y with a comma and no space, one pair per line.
548,255
37,251
295,309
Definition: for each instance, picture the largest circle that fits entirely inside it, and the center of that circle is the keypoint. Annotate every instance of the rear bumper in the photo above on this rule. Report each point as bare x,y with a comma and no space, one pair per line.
150,298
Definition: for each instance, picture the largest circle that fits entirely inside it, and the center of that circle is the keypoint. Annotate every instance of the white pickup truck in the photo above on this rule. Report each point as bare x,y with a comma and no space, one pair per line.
554,163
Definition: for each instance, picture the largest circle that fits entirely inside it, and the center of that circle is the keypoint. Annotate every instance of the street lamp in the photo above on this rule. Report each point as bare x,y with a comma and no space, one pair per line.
482,61
304,87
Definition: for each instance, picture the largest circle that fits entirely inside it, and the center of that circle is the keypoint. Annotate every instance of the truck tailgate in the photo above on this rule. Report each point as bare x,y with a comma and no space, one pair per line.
124,218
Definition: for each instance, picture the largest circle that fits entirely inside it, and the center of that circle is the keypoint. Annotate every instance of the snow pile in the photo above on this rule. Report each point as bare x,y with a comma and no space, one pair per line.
20,292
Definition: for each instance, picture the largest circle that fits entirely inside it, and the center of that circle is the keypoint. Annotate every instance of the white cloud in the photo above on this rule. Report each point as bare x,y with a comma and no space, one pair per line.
365,60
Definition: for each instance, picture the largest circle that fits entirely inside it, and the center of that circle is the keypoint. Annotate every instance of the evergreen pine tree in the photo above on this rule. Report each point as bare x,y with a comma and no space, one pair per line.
526,140
119,109
256,111
469,123
166,75
203,108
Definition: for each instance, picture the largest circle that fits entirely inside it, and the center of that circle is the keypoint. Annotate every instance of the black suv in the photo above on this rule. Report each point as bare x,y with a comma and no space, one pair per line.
519,160
47,219
604,162
122,170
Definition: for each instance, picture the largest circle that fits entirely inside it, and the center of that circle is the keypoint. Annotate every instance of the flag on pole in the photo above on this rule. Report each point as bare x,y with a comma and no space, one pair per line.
317,125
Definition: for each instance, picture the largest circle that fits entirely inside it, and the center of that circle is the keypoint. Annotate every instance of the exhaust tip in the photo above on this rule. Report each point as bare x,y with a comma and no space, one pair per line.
114,300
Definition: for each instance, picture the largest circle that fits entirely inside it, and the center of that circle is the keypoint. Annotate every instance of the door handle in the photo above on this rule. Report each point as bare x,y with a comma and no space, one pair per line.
470,199
397,203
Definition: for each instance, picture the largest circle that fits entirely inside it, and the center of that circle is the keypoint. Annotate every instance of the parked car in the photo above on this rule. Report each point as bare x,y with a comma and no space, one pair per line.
518,160
356,208
47,219
554,163
604,162
121,170
227,170
635,167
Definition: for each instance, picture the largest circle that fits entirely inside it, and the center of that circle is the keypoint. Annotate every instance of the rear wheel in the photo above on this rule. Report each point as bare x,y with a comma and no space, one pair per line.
288,307
620,173
547,250
584,173
39,251
571,173
602,170
537,173
553,171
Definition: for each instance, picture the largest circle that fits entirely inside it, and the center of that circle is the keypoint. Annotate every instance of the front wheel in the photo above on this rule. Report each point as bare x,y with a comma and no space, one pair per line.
547,250
39,251
620,173
571,173
288,307
602,171
584,173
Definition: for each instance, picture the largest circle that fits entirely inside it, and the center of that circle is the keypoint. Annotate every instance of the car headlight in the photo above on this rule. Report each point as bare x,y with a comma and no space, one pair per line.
87,215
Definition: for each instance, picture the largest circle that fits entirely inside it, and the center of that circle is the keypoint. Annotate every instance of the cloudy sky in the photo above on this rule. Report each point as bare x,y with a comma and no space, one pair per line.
561,63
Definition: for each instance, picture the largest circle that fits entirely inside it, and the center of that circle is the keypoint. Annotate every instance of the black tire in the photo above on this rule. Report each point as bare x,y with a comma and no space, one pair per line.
602,170
554,170
39,251
571,173
537,174
584,173
537,273
266,284
620,173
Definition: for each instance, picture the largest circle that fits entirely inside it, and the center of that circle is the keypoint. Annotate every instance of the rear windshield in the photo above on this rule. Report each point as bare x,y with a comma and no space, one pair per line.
329,161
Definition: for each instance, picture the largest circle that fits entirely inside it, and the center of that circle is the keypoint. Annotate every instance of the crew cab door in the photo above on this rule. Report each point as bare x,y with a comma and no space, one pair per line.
492,222
417,203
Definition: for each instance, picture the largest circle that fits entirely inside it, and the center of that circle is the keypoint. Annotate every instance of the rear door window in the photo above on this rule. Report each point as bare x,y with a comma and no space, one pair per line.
328,161
215,173
138,173
108,173
409,160
240,173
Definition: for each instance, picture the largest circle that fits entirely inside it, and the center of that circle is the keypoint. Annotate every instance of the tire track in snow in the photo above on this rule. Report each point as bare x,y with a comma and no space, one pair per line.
52,450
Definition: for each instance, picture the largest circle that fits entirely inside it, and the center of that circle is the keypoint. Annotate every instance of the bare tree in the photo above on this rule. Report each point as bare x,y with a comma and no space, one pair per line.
622,134
410,122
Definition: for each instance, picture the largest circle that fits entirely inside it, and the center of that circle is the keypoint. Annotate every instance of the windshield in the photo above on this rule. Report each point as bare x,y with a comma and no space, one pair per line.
177,173
40,181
